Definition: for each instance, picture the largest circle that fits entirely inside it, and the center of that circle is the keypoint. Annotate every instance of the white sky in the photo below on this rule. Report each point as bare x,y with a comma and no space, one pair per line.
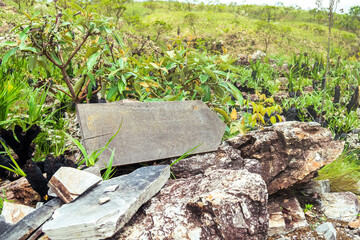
304,4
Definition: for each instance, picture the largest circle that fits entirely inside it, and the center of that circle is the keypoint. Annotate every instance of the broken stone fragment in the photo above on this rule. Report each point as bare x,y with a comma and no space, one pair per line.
286,215
13,212
103,200
111,188
342,206
327,230
26,226
68,183
86,219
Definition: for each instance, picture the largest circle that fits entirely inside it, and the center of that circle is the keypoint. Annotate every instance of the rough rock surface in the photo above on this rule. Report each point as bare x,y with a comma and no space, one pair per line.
286,215
225,158
14,212
342,206
219,204
289,152
21,192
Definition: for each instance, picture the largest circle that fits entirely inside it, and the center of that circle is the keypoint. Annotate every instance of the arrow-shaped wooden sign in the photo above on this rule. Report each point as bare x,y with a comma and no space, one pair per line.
149,131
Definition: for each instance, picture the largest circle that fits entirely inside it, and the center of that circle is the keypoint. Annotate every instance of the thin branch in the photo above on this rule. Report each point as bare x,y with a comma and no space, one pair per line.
94,92
62,91
76,50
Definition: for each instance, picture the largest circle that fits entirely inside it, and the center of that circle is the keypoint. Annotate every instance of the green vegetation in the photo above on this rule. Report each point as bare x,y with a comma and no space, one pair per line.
68,52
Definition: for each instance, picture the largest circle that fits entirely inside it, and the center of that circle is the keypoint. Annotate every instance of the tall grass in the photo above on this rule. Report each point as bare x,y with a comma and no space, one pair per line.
343,173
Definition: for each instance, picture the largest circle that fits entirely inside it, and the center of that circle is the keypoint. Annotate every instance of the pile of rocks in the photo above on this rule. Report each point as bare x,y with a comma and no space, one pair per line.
242,191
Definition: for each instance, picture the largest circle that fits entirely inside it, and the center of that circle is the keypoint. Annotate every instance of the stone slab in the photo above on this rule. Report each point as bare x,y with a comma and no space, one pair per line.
150,131
69,183
26,226
84,218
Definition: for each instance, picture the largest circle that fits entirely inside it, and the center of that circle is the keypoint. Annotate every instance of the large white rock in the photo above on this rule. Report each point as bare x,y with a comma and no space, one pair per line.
85,218
69,183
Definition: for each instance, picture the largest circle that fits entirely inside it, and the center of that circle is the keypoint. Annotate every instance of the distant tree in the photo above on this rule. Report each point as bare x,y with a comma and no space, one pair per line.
266,31
354,14
331,10
191,19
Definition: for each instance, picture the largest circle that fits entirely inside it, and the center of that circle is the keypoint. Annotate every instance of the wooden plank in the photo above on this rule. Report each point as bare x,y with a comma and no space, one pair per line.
150,131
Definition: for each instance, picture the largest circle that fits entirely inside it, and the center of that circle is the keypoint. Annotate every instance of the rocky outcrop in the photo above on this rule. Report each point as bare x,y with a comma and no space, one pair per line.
219,204
289,152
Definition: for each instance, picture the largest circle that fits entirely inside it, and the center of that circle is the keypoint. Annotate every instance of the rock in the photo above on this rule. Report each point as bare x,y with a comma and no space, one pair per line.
225,158
20,191
3,225
168,129
317,186
69,183
342,206
219,204
14,212
289,152
103,200
26,226
286,215
327,230
86,219
112,188
355,224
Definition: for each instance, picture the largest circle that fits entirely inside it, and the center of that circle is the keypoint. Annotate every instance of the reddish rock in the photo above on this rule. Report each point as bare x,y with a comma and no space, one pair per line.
220,204
355,224
286,215
289,152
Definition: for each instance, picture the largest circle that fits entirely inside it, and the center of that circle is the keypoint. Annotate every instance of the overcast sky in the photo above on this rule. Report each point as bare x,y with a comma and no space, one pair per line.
304,4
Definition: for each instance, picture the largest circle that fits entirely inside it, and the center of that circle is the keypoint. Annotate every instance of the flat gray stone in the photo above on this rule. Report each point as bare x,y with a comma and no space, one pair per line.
26,226
150,131
69,183
3,225
84,218
327,230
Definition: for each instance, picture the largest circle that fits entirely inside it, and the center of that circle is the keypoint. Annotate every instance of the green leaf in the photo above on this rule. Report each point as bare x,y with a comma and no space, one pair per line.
8,55
113,90
56,59
91,50
32,61
76,7
235,92
8,43
92,60
207,93
224,114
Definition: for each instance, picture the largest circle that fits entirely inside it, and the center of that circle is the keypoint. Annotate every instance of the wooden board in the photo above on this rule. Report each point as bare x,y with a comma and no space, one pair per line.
150,131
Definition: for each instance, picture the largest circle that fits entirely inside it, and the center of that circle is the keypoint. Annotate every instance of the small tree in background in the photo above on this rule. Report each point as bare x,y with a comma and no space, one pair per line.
266,30
59,39
332,8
